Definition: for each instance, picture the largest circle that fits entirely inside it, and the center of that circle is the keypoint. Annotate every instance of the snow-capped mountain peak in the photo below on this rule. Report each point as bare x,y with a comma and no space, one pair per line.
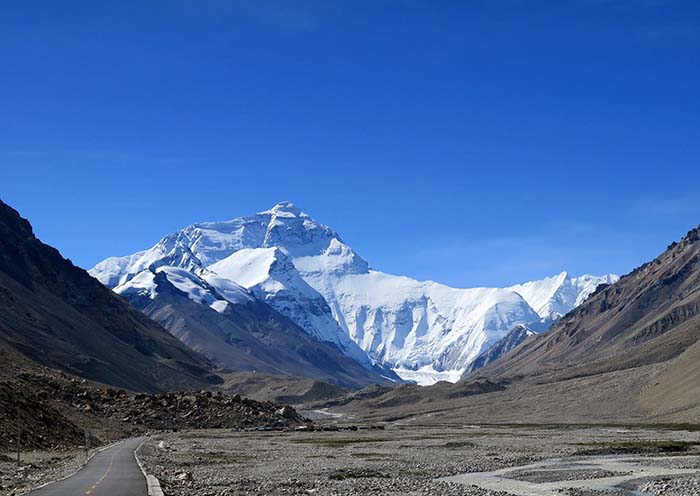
200,286
284,209
555,296
304,270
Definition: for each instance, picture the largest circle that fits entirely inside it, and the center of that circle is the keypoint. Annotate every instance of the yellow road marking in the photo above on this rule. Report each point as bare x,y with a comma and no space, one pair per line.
109,468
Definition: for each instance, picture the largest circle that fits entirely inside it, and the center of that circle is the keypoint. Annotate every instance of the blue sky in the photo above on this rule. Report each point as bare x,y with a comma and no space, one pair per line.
468,142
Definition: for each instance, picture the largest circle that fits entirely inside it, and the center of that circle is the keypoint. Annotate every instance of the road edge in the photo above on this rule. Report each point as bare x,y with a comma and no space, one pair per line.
92,453
152,482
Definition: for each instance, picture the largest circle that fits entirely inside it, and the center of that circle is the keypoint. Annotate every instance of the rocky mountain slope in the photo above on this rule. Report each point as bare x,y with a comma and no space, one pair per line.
244,336
43,424
517,335
282,389
639,337
424,331
649,316
55,314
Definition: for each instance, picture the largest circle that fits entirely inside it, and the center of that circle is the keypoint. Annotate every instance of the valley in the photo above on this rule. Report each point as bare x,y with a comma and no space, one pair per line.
600,400
415,459
350,248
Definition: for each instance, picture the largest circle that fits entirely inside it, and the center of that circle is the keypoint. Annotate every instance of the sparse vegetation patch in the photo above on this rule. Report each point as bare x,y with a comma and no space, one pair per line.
634,447
339,442
355,473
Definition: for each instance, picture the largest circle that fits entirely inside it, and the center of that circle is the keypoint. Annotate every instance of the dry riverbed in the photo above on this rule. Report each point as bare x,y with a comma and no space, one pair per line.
421,460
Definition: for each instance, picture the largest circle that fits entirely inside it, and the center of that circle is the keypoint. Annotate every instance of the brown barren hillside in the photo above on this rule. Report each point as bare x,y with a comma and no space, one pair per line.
642,334
629,353
650,316
57,315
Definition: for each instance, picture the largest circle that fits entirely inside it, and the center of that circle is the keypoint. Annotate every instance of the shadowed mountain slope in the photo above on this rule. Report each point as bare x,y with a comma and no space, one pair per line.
250,336
517,335
56,314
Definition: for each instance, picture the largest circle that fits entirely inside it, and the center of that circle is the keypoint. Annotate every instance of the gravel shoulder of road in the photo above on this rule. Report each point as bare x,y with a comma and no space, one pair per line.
38,468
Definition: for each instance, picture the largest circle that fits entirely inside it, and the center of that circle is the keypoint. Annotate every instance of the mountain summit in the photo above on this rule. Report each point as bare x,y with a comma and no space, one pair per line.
285,209
423,330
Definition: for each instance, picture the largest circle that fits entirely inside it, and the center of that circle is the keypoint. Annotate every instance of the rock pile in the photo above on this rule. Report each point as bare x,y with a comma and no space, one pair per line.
53,404
200,410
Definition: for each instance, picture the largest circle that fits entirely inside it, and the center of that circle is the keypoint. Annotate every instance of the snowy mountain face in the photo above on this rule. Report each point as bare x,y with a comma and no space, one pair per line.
552,298
251,255
555,296
423,330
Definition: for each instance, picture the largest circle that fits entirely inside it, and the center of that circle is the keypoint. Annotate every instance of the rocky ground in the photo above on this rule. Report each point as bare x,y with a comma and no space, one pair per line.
681,486
172,410
58,415
403,459
38,467
54,410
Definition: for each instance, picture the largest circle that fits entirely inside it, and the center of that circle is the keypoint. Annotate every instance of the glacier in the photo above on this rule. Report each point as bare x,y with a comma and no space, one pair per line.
423,330
555,296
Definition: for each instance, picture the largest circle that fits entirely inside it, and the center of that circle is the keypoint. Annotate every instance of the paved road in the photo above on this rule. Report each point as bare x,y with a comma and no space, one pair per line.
112,472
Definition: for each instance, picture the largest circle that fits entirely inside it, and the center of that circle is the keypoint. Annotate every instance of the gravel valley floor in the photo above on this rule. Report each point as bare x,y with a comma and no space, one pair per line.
411,459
